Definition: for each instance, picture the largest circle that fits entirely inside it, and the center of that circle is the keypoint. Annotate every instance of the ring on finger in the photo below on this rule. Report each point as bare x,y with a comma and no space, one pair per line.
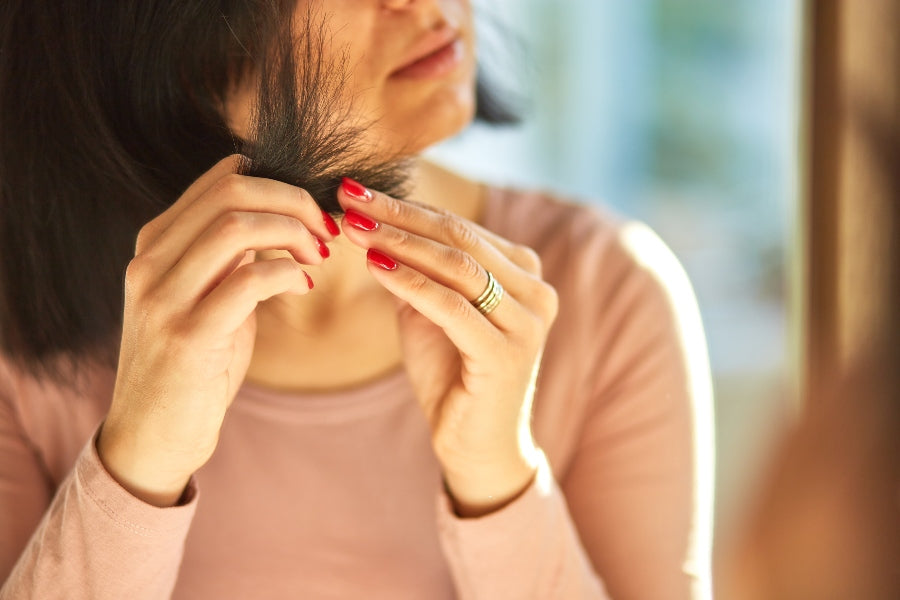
491,296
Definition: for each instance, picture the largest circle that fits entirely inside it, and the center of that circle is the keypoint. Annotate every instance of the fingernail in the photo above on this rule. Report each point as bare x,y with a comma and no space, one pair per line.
382,260
356,190
360,221
309,280
323,249
330,225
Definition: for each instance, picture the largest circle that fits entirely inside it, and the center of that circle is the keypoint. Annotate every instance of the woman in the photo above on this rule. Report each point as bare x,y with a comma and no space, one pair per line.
364,409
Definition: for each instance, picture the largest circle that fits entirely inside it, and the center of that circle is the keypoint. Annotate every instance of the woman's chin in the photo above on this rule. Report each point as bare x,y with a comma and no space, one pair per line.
413,141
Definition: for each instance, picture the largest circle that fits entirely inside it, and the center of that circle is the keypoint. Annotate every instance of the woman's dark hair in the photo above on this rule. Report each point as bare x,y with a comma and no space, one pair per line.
108,112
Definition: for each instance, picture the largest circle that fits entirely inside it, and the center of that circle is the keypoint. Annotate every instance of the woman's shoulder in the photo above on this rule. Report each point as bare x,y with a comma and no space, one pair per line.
619,284
627,337
543,219
579,243
604,267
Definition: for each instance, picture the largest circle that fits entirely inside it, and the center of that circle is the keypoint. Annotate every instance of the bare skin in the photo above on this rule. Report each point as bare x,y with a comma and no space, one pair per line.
218,293
348,313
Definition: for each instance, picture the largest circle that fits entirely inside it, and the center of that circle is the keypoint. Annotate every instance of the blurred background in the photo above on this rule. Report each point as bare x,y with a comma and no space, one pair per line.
683,114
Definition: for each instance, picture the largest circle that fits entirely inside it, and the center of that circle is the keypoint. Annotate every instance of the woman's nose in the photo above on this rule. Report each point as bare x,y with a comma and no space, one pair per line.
397,4
429,11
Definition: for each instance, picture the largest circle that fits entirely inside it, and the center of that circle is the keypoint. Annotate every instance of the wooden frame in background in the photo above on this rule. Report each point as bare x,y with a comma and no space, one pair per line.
853,186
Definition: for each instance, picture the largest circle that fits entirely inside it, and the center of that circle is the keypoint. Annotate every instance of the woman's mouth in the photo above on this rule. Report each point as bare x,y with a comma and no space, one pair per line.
436,63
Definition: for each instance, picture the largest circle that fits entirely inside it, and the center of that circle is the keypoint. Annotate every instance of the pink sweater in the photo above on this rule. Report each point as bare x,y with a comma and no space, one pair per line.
339,495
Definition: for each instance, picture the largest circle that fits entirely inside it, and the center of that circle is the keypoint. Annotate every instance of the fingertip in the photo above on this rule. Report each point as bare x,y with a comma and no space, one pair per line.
355,191
302,287
330,224
357,220
381,260
303,256
324,252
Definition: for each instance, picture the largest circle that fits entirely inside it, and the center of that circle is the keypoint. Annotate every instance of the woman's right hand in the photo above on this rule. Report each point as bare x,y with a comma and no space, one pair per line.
189,322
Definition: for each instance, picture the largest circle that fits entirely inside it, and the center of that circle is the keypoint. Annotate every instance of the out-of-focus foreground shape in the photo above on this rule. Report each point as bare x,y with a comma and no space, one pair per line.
826,524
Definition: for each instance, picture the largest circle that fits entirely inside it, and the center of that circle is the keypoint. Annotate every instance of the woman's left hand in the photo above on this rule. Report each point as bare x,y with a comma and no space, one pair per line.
473,374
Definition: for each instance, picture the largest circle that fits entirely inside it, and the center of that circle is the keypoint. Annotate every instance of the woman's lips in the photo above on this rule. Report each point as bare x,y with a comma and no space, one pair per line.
440,62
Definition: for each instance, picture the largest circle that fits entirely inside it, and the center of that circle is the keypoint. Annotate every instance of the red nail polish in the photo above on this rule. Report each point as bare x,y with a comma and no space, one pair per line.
309,280
330,225
382,260
360,221
322,248
356,190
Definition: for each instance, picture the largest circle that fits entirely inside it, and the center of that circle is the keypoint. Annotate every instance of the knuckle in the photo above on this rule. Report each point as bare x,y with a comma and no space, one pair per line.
246,280
458,233
546,301
231,225
462,264
527,259
417,283
395,211
457,306
231,185
307,198
293,223
435,210
136,270
400,239
146,233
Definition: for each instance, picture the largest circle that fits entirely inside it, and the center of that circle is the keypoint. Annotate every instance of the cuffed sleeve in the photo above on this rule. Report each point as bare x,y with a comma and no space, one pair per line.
527,549
98,541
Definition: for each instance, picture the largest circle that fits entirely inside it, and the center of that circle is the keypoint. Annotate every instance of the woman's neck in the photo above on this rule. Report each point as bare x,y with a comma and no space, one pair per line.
344,332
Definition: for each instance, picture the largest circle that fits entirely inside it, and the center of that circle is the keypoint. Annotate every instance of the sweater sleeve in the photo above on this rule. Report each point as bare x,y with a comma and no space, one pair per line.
527,549
631,515
92,539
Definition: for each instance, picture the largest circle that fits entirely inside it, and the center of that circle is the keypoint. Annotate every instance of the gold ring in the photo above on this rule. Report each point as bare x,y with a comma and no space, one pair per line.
490,297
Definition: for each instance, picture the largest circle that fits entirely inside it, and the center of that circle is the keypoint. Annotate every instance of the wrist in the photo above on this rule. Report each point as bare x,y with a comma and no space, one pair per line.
141,475
483,489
